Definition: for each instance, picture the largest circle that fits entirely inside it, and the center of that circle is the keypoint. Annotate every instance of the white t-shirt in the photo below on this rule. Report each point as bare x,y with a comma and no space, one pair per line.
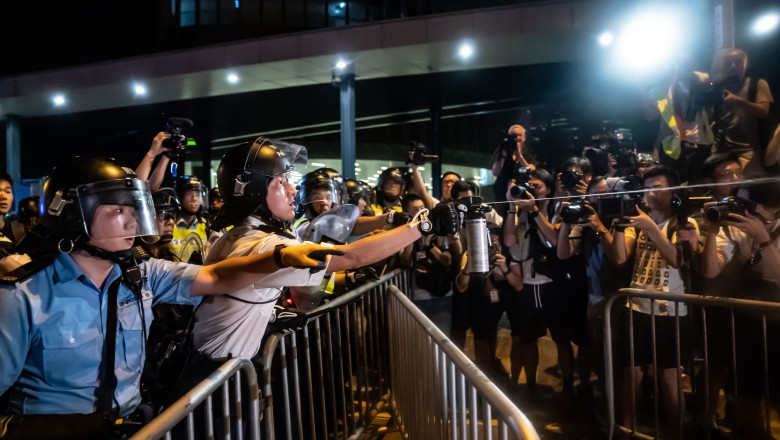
227,327
739,245
521,251
652,272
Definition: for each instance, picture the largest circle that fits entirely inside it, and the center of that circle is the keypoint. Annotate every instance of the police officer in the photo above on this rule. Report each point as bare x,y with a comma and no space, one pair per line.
11,232
190,234
317,194
389,188
259,202
73,321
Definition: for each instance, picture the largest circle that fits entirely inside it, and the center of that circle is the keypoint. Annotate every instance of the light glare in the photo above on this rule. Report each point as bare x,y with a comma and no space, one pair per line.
465,51
341,64
606,39
59,100
766,23
232,78
139,89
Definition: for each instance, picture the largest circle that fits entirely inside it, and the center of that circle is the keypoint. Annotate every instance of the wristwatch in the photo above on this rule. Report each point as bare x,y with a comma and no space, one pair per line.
601,233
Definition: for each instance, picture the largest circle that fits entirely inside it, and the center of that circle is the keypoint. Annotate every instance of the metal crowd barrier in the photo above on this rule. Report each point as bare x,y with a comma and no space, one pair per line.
371,348
437,392
219,381
739,312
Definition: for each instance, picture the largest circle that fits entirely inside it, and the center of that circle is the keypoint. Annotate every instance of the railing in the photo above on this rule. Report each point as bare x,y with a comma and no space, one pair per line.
437,391
747,321
371,348
226,375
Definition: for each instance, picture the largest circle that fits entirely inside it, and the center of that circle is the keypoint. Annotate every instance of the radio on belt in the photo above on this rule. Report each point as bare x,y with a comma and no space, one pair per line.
477,236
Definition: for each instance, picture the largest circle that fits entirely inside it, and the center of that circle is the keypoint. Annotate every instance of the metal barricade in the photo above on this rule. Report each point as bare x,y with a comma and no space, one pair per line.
437,391
746,321
365,350
232,407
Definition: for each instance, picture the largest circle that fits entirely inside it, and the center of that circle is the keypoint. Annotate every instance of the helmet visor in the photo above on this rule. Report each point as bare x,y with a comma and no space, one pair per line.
321,192
117,209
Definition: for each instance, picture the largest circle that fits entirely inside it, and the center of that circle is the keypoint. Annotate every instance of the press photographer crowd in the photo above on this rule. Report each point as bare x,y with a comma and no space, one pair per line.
130,286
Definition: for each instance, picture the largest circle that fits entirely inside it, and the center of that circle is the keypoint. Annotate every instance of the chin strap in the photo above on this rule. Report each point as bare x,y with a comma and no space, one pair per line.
128,261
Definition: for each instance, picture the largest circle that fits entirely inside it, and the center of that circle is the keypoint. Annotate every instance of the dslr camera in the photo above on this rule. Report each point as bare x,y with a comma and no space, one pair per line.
575,211
719,212
417,154
178,141
521,187
570,178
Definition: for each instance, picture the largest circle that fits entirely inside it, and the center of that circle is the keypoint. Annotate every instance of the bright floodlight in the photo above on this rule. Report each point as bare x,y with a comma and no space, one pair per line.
341,64
605,39
465,51
58,100
232,78
649,41
766,23
139,89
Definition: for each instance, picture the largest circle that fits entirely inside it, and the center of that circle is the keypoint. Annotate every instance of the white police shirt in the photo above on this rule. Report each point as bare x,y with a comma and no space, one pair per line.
226,327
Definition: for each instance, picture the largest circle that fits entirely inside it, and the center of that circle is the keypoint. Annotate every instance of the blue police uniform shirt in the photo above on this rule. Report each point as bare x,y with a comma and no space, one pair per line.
52,329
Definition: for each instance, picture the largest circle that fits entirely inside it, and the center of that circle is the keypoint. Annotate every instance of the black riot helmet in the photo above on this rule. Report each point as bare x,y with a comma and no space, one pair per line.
355,191
165,200
338,180
244,174
389,175
316,186
191,183
29,211
74,190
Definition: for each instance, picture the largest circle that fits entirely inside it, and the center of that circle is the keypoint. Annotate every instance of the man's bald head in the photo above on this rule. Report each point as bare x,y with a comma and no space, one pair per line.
728,63
517,132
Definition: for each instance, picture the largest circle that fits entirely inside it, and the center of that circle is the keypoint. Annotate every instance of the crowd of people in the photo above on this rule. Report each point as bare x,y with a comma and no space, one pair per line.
120,265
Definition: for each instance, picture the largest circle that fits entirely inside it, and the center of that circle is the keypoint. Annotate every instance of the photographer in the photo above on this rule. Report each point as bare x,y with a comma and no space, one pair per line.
591,239
654,239
746,245
144,169
531,240
431,260
489,297
744,103
510,155
685,138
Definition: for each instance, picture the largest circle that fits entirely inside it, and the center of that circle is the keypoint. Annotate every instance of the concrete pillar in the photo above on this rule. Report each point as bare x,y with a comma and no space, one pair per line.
347,92
723,24
13,148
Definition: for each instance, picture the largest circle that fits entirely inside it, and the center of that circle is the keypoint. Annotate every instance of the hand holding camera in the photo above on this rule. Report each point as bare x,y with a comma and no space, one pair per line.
417,155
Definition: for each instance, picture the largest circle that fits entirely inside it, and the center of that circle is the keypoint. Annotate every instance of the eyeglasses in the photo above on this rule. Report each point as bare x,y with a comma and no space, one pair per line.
731,173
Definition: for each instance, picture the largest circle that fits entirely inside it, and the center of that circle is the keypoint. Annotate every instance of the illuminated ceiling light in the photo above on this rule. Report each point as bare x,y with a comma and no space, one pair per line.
342,5
766,23
649,41
58,100
232,78
341,64
606,39
465,51
139,89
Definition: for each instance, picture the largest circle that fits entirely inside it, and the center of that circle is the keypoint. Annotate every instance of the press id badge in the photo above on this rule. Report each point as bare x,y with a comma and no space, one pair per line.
493,295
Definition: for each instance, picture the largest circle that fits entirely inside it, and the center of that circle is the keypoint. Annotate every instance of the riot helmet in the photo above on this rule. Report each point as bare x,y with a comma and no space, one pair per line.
338,180
389,175
75,191
355,191
29,211
317,193
191,204
244,174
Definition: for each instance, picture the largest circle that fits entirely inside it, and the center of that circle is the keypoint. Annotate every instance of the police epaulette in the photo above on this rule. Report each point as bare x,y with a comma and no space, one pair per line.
26,271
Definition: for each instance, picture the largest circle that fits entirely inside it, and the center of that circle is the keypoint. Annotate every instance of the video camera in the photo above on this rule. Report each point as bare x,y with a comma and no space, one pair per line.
684,205
521,187
178,141
709,94
417,154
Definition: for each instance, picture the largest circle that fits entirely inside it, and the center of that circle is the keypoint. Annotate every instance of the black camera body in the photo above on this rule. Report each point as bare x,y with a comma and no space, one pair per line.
178,141
417,154
618,206
521,187
710,94
719,212
684,205
575,212
570,178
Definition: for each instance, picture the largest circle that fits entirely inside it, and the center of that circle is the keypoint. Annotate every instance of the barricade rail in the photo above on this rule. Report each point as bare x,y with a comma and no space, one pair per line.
371,348
220,380
367,351
747,321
